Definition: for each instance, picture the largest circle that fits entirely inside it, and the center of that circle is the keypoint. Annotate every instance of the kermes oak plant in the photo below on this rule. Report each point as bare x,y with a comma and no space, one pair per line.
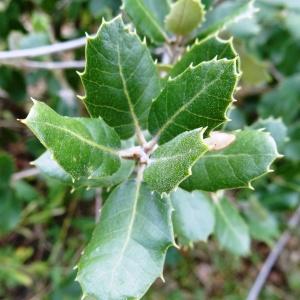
154,137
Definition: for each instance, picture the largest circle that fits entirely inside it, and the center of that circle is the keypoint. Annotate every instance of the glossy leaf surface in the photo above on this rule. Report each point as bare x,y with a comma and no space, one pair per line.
120,78
247,158
204,50
199,97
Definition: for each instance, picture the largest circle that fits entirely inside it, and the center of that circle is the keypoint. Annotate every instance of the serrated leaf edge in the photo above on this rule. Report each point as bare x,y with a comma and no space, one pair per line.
236,73
172,243
89,38
53,156
189,171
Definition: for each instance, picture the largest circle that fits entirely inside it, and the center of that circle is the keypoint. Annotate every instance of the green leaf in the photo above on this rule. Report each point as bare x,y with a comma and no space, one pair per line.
271,103
291,149
223,15
10,211
276,127
128,247
171,163
185,16
51,168
148,17
254,71
193,218
243,161
83,147
204,50
231,230
199,97
120,78
262,225
6,170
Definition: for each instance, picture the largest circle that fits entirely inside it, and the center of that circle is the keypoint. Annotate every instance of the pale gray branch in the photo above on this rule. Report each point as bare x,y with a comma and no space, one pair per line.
43,50
272,257
46,65
25,173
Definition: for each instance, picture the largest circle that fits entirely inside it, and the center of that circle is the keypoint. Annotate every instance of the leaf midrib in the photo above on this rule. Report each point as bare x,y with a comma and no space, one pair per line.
128,236
126,92
186,105
179,24
91,143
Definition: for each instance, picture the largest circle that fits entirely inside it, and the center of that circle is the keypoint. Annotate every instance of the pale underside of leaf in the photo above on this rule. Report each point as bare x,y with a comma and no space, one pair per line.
120,78
199,97
51,168
83,147
236,166
171,163
193,216
230,229
128,247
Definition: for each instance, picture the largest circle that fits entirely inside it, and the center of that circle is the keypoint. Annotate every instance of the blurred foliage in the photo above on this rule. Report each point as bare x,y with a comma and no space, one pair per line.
43,227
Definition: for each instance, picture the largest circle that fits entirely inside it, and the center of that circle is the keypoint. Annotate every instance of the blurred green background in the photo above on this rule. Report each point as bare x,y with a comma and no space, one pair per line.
44,227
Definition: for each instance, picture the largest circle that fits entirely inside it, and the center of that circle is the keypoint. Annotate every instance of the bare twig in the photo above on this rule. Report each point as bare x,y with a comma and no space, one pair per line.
272,257
46,65
43,50
25,173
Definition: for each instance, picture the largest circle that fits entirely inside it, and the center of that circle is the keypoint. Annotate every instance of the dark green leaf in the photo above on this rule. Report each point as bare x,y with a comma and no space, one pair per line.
204,50
199,97
6,170
120,78
246,159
